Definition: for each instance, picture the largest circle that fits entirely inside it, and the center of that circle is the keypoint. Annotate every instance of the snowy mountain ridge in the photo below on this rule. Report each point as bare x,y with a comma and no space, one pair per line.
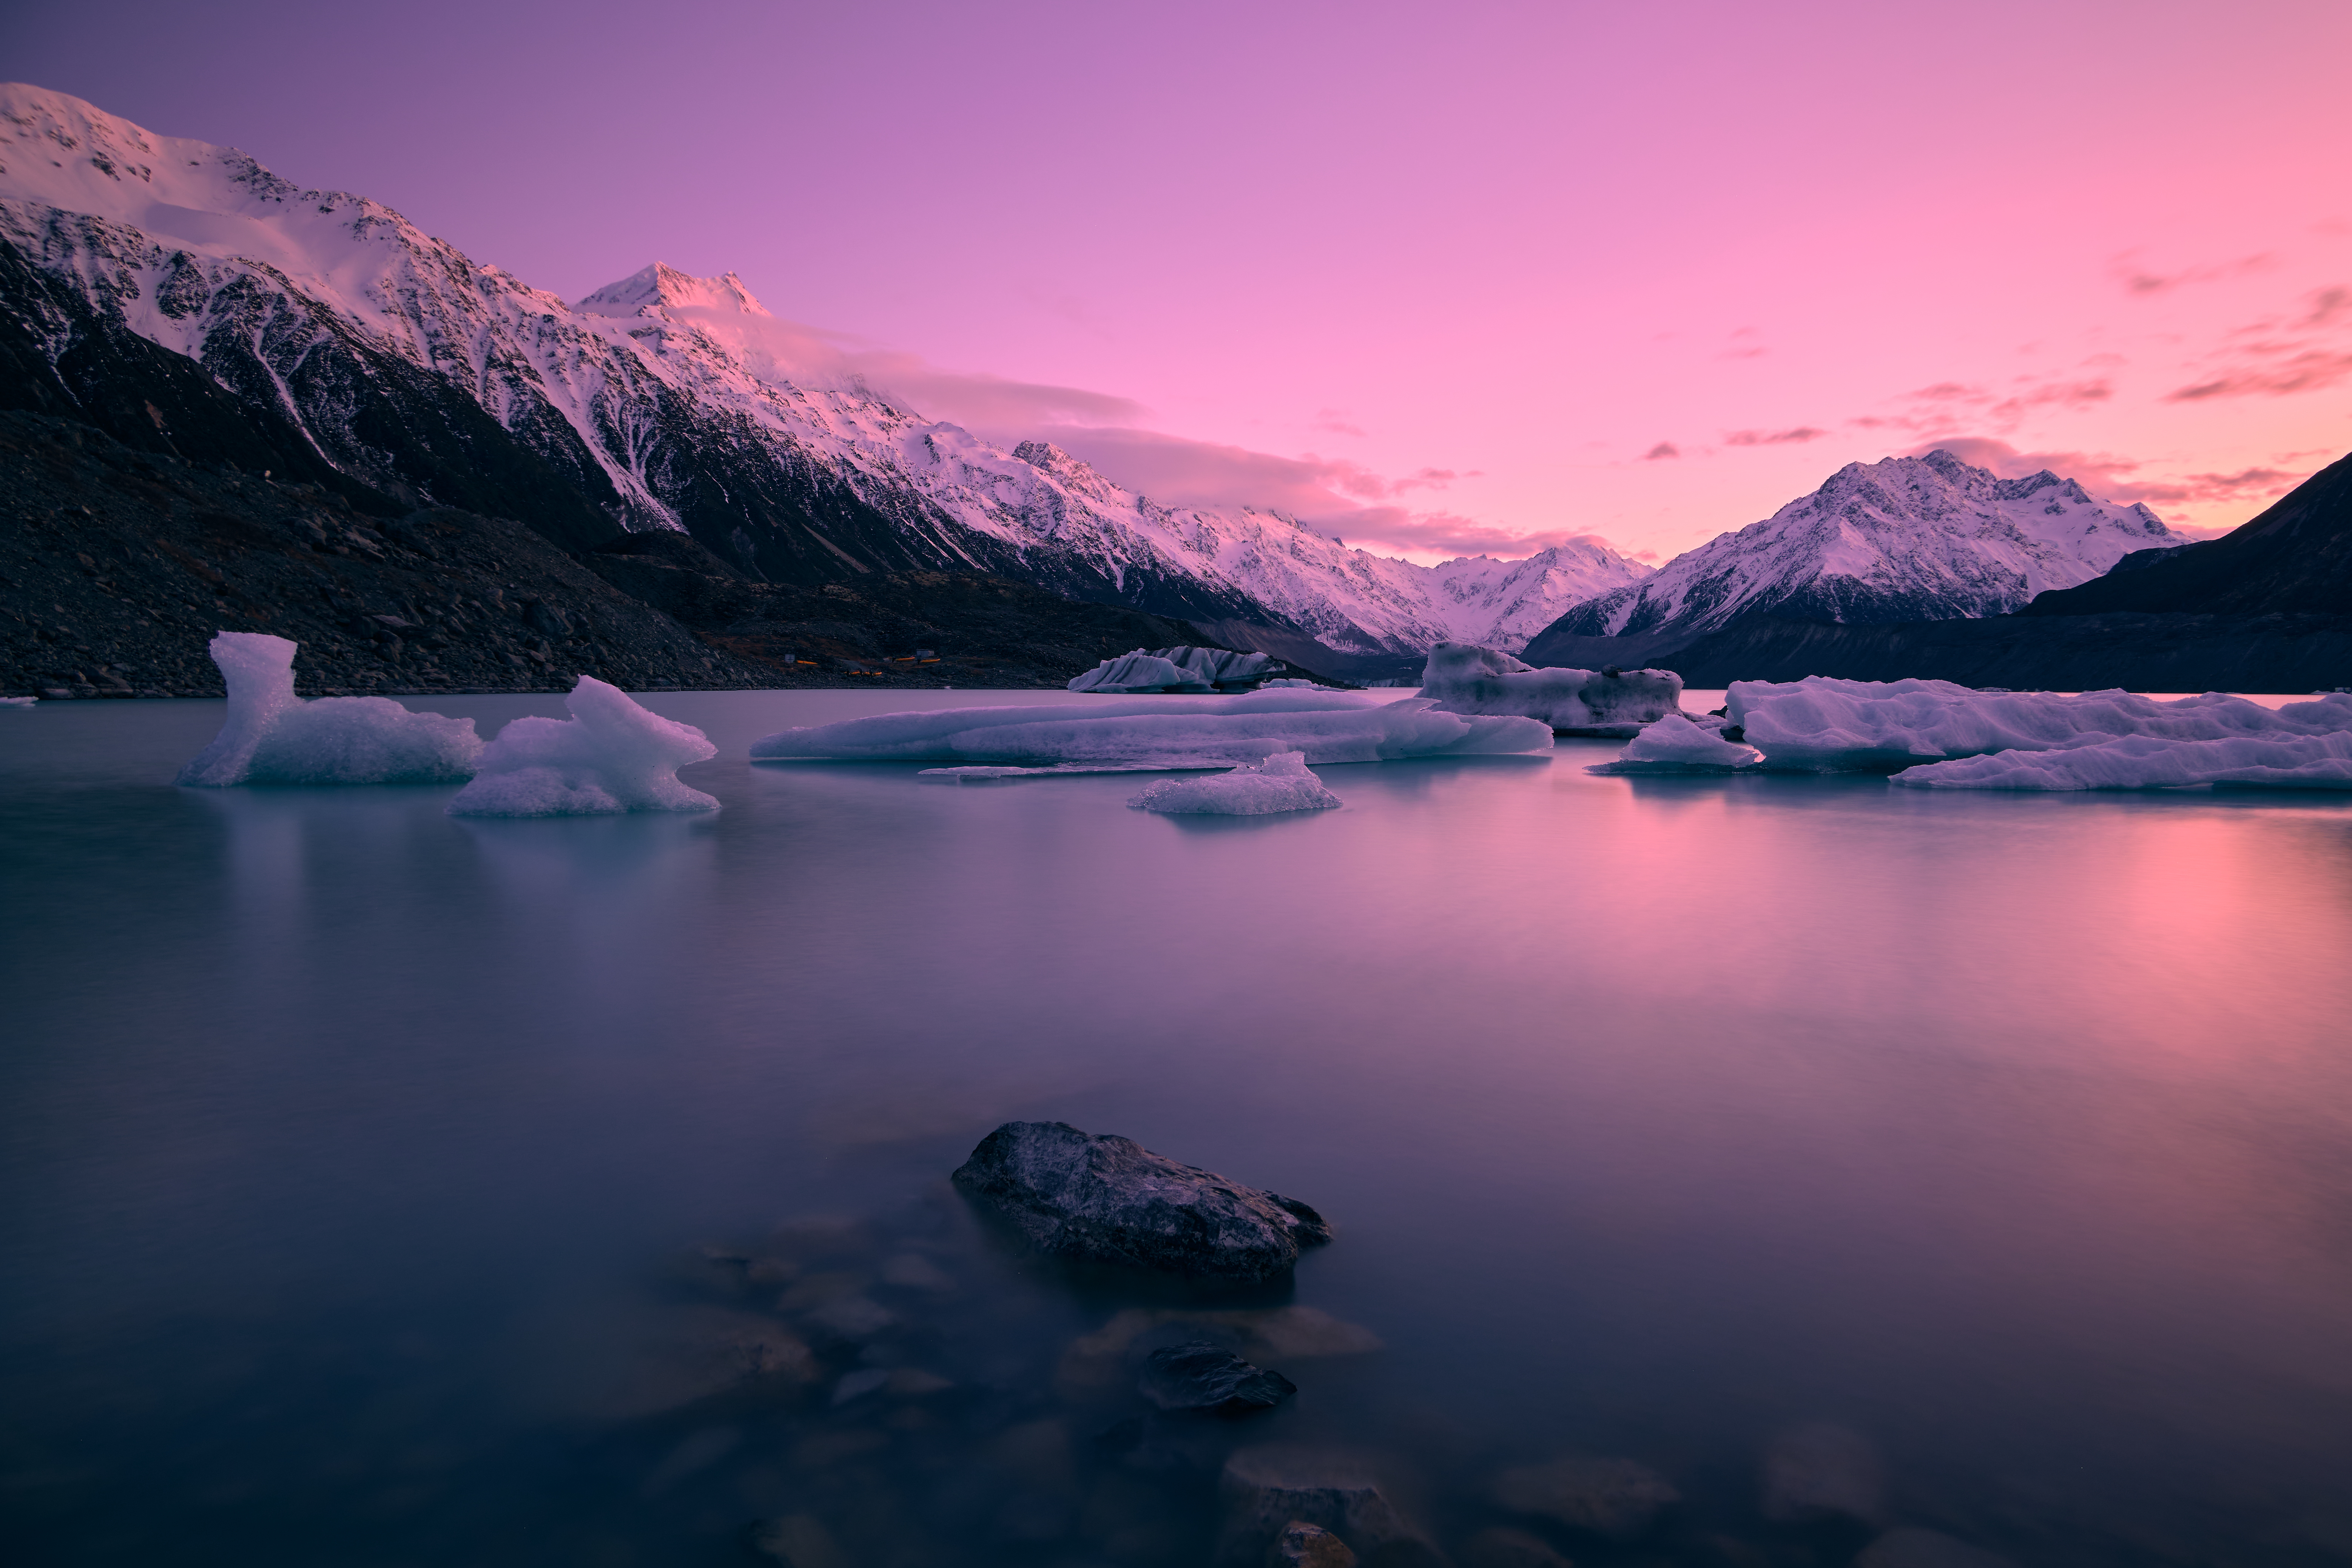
1906,539
667,401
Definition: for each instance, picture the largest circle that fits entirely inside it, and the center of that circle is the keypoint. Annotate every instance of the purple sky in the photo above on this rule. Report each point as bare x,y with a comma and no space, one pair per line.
1441,278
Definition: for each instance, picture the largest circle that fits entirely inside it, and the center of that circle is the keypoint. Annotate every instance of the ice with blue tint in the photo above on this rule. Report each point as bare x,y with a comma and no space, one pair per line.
1675,745
272,736
1281,782
611,755
1164,732
1824,726
1464,679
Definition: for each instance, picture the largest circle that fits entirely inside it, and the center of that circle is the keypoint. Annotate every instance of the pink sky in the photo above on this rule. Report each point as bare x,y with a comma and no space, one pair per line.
1441,278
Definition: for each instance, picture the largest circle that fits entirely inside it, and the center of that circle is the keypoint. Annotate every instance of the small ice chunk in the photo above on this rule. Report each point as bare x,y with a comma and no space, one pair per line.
18,701
1281,782
1163,732
2145,762
1675,745
1179,668
611,755
1465,679
272,736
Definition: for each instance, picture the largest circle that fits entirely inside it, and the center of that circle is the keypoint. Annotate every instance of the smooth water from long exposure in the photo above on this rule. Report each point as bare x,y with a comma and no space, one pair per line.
378,1184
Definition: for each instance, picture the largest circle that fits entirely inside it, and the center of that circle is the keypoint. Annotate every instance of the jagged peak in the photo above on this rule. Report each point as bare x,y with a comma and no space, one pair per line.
661,287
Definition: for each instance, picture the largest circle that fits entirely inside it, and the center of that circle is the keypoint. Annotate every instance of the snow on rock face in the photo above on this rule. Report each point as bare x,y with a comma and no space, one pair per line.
272,736
1462,679
1675,745
1281,782
1182,668
1102,1198
1824,726
653,383
610,756
1907,539
1163,732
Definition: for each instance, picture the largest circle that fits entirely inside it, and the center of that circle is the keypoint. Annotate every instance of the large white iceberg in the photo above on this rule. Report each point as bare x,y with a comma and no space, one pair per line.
1464,679
1675,745
1182,668
272,736
611,755
1166,732
1824,726
1281,782
2144,762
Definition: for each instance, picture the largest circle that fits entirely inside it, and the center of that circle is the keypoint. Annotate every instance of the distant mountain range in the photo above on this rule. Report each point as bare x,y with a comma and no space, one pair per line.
367,357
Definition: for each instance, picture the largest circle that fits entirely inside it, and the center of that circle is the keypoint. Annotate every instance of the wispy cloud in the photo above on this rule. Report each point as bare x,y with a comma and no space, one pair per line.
1664,449
1335,422
2140,279
2303,350
1802,433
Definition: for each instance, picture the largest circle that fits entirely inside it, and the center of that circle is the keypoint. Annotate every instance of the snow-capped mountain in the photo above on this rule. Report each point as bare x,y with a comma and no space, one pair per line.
1906,539
660,401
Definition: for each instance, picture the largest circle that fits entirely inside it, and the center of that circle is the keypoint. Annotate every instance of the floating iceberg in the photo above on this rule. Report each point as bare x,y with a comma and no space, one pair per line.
272,736
18,701
1463,679
610,756
1281,782
2144,762
1182,668
1675,745
1178,732
1823,725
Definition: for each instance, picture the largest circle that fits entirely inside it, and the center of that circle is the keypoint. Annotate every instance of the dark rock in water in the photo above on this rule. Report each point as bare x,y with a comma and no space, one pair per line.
1270,1489
1106,1199
1303,1546
1608,1497
1202,1376
1926,1548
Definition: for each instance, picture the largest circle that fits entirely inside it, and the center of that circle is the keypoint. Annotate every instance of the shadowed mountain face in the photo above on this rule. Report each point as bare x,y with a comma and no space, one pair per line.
2295,558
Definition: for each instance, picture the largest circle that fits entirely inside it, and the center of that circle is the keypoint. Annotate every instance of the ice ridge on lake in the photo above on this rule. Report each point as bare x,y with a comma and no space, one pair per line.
1675,745
1164,732
1281,782
1464,679
2286,757
1824,726
272,736
1182,668
611,755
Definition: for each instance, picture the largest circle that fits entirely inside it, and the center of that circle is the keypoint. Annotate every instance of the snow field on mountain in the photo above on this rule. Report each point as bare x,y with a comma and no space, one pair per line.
273,737
1464,679
1173,733
1279,784
611,755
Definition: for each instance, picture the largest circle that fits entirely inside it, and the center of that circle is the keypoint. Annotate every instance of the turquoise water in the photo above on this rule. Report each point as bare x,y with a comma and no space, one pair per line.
356,1160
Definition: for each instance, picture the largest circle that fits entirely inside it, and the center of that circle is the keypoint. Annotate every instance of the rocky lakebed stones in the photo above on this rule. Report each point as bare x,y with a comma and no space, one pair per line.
1100,1198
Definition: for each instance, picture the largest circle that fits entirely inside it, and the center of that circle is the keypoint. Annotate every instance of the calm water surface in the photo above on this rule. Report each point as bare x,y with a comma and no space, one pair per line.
355,1160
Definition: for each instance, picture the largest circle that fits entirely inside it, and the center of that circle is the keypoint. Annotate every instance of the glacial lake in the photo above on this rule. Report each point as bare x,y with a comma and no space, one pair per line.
373,1180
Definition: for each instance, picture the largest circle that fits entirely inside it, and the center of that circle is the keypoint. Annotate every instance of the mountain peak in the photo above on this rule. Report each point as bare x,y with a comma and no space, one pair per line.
662,287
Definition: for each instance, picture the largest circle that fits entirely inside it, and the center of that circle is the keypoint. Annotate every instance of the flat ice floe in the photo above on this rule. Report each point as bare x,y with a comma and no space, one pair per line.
1675,745
1181,669
272,736
1164,732
2144,762
610,756
1823,725
1281,782
1463,679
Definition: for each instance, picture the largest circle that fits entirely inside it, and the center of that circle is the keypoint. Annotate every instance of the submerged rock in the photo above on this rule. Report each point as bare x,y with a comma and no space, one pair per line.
1506,1548
1098,1361
1608,1497
1269,1489
1303,1546
1822,1471
1202,1376
1106,1199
